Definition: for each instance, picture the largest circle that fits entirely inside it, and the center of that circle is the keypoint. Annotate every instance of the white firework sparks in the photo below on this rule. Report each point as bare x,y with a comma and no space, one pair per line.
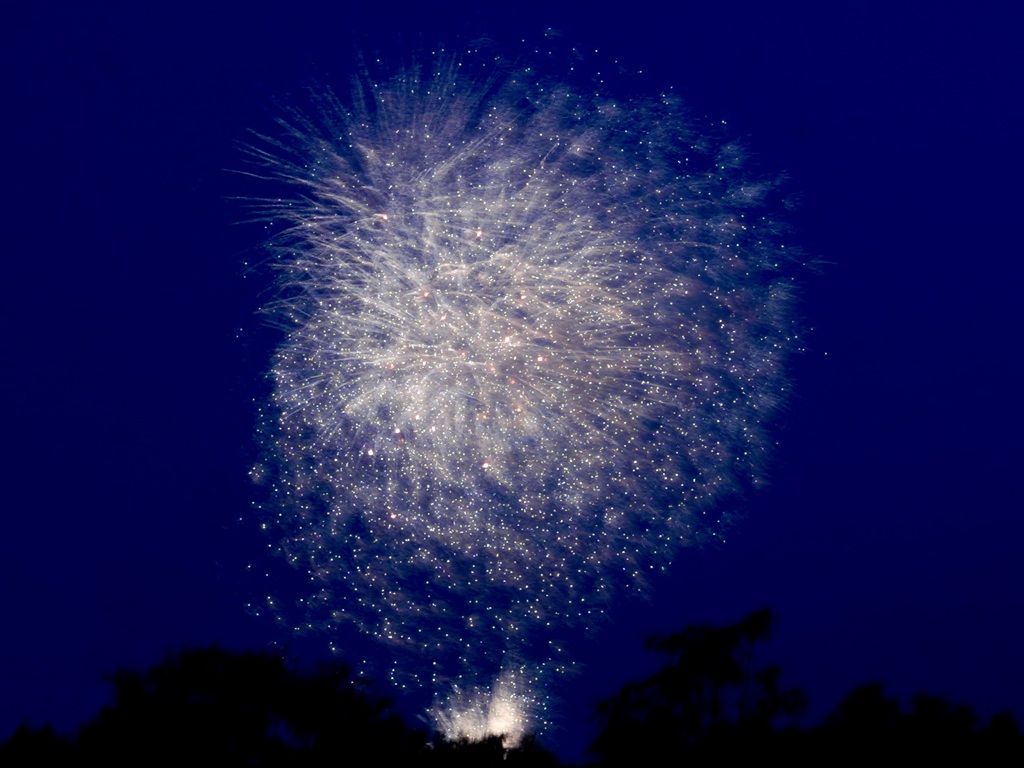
503,708
532,336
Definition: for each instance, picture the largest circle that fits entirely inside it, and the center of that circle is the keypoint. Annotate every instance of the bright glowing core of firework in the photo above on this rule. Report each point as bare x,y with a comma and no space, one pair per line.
531,338
504,709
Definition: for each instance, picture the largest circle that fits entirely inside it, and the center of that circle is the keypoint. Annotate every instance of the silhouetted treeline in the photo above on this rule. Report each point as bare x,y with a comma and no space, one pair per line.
710,704
216,707
213,706
708,701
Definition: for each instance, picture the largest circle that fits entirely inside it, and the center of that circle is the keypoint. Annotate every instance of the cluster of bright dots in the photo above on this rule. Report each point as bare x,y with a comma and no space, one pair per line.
532,336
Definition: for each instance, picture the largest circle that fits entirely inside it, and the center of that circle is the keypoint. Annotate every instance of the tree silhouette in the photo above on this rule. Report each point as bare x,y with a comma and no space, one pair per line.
32,746
868,724
224,708
215,707
711,703
710,697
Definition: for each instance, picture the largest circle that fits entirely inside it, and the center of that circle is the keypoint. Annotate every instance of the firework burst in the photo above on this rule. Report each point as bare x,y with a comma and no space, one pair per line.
531,339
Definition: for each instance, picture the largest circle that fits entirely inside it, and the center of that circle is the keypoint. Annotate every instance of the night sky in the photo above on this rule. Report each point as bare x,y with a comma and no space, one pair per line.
888,539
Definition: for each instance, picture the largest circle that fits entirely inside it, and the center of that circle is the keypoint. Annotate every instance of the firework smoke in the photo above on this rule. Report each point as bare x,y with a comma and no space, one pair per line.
531,336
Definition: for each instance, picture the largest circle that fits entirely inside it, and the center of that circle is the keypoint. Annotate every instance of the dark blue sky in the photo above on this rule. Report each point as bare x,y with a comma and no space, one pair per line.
889,541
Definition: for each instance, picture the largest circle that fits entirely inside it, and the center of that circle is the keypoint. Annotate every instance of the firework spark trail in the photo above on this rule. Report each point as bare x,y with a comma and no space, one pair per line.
532,337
